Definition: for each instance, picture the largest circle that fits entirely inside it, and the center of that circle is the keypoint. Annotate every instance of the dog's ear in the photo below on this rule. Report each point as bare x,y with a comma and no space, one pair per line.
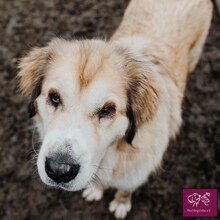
32,68
143,94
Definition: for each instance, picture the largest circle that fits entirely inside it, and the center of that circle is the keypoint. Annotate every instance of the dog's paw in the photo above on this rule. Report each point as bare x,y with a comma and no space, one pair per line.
120,209
92,193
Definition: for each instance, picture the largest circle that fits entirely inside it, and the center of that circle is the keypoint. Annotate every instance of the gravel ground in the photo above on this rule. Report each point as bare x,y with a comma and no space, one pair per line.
192,160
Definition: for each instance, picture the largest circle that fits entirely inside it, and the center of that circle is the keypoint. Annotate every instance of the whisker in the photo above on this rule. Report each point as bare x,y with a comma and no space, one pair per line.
35,144
97,179
32,142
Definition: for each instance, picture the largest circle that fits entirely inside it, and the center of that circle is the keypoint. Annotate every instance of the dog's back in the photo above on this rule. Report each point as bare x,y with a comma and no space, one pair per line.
179,27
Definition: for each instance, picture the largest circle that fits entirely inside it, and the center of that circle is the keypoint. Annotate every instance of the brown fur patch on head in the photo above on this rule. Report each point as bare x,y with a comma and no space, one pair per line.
92,56
32,68
89,56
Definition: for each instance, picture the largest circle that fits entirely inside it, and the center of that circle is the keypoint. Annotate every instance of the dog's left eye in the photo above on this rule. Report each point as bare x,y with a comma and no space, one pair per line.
54,99
107,110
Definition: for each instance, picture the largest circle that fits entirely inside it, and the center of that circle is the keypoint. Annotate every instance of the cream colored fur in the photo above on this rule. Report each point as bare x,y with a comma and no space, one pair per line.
157,44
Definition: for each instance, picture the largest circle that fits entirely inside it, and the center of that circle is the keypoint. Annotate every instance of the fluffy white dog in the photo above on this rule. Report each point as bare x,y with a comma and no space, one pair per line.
106,110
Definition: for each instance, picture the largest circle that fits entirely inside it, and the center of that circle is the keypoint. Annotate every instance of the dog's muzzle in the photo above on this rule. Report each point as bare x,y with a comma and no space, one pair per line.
61,168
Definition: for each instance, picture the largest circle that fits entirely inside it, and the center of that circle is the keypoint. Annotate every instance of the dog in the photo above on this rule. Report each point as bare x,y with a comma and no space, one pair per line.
106,110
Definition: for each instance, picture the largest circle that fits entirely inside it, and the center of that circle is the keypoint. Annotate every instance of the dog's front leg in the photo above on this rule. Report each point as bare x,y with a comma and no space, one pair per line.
121,204
94,191
126,160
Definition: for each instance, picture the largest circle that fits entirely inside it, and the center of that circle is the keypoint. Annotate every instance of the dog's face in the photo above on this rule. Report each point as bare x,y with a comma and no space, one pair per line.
81,99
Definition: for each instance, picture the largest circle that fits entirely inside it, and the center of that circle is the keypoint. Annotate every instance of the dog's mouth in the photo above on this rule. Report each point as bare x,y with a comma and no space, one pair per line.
64,186
70,186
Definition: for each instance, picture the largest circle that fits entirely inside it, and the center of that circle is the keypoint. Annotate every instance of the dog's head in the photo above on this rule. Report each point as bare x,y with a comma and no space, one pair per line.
85,96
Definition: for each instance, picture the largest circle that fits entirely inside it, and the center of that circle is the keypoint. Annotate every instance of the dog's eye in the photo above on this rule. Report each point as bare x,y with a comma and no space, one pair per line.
107,110
54,99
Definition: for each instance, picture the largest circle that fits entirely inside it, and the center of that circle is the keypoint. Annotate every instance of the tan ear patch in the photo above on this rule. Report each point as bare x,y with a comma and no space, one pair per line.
144,95
32,69
142,88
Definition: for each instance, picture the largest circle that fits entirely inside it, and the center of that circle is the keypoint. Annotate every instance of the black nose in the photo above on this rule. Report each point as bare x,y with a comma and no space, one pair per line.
61,172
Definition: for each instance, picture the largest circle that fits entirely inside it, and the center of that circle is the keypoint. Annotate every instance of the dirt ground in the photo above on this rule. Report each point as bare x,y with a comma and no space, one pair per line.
191,161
